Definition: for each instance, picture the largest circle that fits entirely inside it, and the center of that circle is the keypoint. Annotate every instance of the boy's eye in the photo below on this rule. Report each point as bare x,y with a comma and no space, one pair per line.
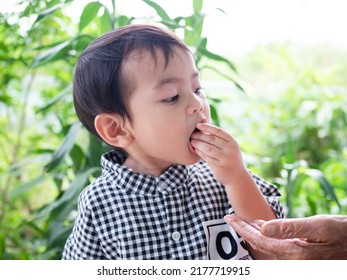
172,99
198,91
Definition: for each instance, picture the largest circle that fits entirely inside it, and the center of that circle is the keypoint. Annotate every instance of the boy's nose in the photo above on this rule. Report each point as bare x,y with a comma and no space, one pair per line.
196,104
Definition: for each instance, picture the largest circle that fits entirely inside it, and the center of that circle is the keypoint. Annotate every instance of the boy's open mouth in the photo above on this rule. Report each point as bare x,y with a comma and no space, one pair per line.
195,130
191,148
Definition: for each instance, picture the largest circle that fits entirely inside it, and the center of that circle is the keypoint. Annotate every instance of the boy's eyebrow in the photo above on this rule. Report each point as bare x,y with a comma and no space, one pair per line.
171,80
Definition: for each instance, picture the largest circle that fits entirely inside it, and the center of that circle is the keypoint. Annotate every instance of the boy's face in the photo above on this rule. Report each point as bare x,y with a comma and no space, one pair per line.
165,107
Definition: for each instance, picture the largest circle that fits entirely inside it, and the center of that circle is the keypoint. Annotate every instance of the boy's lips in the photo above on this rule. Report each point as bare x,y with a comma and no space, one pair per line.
191,148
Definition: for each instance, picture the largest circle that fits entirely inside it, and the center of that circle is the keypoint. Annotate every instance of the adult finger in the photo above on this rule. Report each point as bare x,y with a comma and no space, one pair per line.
280,249
251,234
324,250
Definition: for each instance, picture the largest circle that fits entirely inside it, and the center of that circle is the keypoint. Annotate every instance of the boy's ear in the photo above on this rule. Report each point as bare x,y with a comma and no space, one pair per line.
111,129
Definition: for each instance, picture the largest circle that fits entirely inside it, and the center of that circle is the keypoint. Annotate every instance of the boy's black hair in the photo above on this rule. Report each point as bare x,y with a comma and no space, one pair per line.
99,86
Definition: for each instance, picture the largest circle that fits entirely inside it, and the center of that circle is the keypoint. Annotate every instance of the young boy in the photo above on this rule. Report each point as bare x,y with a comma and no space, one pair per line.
172,176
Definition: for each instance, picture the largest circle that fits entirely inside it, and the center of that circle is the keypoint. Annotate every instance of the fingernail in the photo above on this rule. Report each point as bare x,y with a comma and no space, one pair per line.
268,230
228,218
199,125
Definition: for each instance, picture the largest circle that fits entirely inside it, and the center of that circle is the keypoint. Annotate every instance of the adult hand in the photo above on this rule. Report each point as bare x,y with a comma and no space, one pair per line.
316,237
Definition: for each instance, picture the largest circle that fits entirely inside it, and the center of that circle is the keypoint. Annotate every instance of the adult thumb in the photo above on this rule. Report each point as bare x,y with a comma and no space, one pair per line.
287,228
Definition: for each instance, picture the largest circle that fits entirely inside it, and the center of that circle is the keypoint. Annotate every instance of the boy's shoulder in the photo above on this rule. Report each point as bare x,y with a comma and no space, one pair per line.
95,193
104,185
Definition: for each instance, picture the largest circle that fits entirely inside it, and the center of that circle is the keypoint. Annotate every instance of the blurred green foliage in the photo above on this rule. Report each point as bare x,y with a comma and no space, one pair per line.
291,125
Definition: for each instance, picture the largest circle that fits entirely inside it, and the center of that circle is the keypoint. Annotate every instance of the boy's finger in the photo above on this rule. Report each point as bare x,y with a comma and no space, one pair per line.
214,130
209,139
205,150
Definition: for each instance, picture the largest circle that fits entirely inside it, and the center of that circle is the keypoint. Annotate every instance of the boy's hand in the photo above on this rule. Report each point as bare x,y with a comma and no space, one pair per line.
221,152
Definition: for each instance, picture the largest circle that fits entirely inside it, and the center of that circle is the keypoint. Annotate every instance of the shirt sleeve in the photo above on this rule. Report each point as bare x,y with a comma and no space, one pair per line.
83,242
271,194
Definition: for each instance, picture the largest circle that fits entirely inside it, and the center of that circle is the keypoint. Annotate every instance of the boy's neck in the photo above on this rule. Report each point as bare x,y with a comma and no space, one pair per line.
146,166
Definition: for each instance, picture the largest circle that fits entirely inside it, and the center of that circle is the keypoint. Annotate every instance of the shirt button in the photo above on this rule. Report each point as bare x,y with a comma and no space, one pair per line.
176,236
163,185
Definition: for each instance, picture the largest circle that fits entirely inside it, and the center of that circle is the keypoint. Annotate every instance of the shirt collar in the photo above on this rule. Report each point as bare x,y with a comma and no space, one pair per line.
125,178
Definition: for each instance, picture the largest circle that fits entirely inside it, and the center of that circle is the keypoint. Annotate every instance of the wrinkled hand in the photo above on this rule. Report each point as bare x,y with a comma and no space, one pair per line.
317,237
221,152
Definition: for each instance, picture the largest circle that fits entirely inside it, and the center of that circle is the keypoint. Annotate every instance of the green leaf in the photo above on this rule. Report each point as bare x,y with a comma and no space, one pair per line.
160,11
89,13
313,207
202,49
189,36
2,244
221,10
77,156
197,6
214,115
47,12
105,22
55,99
57,52
327,187
193,30
96,148
61,207
27,186
215,100
69,141
173,25
290,149
81,42
57,235
124,20
228,77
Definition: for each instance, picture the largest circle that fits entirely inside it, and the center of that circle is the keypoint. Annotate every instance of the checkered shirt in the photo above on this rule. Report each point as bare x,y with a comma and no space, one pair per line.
127,215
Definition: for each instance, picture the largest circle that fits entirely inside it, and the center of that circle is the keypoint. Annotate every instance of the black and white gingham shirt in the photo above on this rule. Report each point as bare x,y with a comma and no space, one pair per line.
178,215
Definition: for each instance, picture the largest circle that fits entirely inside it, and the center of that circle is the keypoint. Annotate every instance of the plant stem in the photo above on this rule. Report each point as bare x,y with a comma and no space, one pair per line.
16,147
113,13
